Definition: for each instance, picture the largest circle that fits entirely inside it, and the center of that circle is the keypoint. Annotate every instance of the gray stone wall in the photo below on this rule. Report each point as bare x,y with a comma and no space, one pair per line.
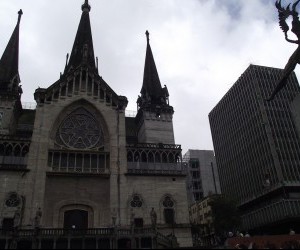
153,190
101,196
86,193
8,120
48,118
154,129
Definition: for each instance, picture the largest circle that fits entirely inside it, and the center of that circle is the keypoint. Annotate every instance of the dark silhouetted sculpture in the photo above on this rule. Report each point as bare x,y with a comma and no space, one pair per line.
153,216
284,13
37,218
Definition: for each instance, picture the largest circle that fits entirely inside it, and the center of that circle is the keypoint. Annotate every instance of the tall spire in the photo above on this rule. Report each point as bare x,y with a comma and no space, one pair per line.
9,62
151,84
83,50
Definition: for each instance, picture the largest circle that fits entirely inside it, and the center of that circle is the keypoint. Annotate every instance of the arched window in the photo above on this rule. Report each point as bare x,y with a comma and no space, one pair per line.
77,80
164,158
83,76
2,149
136,157
96,89
70,87
169,213
63,91
157,157
178,158
144,157
25,150
129,156
17,150
150,157
8,150
171,158
90,86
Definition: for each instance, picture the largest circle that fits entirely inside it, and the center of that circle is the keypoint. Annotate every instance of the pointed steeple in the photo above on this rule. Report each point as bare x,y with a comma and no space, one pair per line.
83,50
153,106
152,92
151,83
9,62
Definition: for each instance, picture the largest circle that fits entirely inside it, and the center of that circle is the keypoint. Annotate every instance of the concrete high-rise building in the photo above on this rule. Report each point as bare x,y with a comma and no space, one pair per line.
203,178
75,172
257,149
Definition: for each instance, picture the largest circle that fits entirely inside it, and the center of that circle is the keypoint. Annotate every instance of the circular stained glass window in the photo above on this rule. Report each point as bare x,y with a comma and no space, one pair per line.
80,130
168,202
12,201
136,201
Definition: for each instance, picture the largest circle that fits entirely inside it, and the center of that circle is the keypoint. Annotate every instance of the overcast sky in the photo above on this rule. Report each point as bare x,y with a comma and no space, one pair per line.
200,47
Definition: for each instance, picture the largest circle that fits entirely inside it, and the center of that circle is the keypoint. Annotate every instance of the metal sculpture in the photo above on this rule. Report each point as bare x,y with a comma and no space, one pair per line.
283,14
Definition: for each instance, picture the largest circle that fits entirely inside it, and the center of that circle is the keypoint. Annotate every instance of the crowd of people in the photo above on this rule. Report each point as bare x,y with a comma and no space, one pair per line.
246,241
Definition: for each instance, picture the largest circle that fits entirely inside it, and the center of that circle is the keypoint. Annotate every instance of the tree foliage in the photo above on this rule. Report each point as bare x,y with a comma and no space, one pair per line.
225,214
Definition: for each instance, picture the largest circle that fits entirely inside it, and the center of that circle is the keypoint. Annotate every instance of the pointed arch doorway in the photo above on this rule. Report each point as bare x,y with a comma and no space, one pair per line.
76,219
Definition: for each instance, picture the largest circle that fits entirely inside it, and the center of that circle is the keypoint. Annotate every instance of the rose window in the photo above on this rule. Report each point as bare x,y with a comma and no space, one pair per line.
13,200
80,130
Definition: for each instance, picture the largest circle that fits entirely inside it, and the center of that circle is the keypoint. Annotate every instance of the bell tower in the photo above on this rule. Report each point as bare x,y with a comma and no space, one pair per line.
155,115
10,88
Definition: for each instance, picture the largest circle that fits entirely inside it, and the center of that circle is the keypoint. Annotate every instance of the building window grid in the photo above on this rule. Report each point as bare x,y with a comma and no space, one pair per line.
269,161
293,162
278,212
252,137
293,209
286,156
233,168
287,152
294,143
274,124
238,166
259,154
248,114
288,208
272,214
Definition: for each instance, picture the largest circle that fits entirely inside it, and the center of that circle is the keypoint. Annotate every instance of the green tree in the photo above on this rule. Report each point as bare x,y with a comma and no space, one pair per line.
225,215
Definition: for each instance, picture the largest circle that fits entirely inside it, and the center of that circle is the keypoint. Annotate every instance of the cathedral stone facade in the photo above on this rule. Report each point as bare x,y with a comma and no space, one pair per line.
77,173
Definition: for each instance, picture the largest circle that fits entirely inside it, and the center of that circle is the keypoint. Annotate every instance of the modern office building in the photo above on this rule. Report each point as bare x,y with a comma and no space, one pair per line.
203,177
75,172
257,150
202,221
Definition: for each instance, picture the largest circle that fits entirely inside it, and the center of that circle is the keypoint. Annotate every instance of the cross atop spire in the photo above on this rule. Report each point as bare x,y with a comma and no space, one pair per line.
20,13
86,6
147,35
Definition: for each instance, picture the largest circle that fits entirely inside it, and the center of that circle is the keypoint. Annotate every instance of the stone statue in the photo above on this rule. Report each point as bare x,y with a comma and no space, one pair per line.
132,215
114,217
153,216
13,244
17,219
284,13
37,218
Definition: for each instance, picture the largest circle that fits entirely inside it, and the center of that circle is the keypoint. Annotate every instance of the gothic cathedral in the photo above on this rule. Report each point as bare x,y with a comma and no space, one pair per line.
76,172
